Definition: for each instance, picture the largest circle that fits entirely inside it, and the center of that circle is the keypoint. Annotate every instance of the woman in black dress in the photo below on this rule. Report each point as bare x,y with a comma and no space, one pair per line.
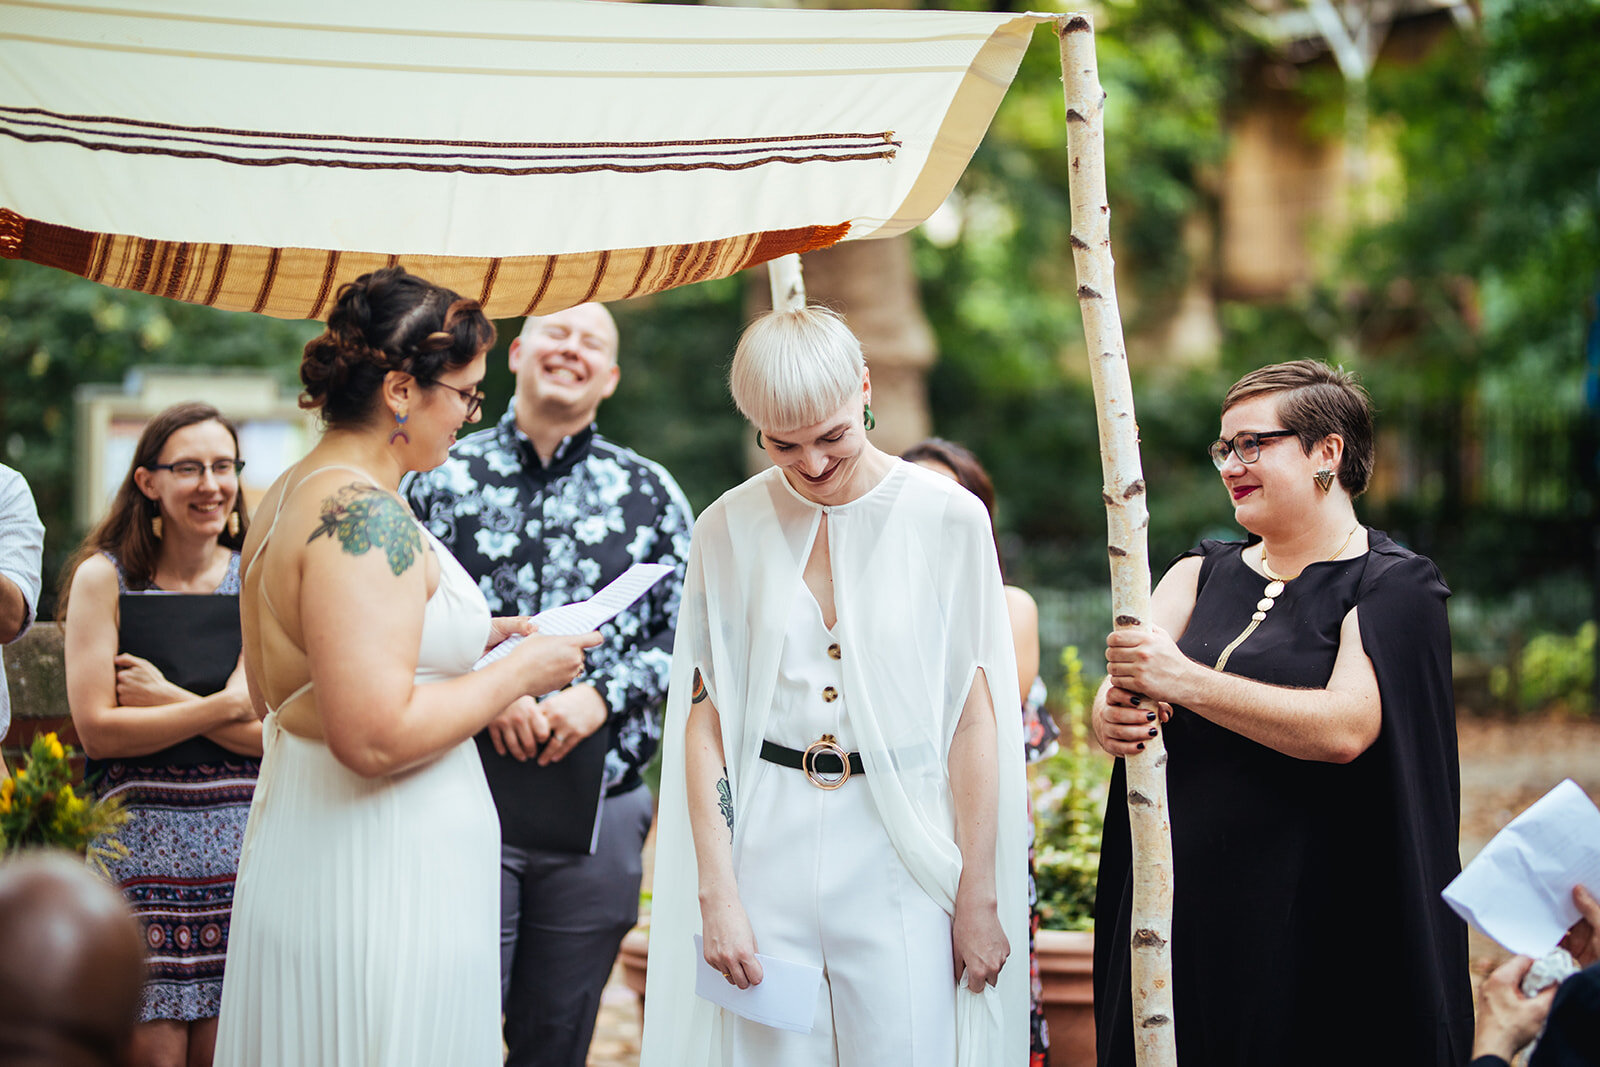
1312,775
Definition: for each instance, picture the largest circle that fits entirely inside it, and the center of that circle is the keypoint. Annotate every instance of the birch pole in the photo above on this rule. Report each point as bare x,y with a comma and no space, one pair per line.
788,287
1127,520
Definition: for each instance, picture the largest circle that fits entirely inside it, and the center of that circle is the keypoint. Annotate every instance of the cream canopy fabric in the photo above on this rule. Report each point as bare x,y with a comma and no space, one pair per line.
531,154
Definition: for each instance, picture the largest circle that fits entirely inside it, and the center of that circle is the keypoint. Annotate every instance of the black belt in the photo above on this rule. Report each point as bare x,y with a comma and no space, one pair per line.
820,762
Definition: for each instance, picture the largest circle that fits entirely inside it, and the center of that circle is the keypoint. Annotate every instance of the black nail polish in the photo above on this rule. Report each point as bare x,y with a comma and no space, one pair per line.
1140,746
1149,716
1134,701
1152,731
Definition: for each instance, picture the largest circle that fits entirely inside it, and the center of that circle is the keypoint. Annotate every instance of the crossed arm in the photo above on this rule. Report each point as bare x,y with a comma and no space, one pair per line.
120,704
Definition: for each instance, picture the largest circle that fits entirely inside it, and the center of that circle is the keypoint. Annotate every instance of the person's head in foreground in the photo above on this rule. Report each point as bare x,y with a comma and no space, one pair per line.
72,968
800,379
401,357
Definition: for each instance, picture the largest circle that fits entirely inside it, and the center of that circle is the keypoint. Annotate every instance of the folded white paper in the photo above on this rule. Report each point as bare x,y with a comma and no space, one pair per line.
585,615
785,998
1518,890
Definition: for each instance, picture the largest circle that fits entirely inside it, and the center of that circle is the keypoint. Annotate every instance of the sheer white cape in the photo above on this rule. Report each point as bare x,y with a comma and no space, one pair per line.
920,610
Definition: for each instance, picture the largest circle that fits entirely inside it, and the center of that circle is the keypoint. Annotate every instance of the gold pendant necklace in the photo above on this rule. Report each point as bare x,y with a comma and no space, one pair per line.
1269,596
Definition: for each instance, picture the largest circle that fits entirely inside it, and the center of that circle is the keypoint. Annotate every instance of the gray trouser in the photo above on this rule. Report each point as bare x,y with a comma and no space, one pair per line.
562,917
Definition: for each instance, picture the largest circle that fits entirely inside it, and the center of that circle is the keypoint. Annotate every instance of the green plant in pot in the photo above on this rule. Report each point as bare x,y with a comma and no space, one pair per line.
1069,803
1069,797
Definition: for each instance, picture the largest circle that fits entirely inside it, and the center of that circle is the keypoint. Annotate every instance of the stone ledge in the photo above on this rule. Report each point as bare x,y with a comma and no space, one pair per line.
37,680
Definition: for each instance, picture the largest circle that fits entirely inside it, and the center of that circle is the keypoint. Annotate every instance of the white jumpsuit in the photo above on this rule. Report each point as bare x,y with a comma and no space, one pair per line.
860,880
822,884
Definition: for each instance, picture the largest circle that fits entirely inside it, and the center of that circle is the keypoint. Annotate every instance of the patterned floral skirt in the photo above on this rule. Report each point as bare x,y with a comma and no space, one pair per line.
183,835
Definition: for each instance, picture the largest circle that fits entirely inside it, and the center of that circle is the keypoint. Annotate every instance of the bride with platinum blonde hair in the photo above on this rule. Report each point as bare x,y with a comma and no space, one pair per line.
837,789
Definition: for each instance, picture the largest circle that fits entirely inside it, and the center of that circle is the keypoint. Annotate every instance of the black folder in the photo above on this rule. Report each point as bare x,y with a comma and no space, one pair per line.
193,639
556,807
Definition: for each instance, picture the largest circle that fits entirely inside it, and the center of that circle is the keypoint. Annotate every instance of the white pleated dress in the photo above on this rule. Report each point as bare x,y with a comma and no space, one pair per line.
366,912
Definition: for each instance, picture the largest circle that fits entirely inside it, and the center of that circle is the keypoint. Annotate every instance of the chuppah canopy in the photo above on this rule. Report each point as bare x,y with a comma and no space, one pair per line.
537,155
534,155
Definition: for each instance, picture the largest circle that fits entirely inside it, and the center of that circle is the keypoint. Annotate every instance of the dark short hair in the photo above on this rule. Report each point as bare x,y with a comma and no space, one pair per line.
388,320
1315,400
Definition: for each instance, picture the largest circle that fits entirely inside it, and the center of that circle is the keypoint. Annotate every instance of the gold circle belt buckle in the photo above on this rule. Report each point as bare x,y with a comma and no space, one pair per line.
826,746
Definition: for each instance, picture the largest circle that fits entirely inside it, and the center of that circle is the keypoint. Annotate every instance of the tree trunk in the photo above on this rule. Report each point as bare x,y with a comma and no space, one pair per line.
1127,520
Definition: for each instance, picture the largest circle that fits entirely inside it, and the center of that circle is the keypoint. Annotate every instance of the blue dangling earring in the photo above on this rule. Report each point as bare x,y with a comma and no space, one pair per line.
868,418
400,418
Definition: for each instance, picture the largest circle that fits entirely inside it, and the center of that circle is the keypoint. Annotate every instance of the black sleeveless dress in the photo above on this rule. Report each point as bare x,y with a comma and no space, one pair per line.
1307,924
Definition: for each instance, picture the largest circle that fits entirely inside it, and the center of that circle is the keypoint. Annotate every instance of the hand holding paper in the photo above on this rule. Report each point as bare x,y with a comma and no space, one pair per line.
1518,890
586,615
786,997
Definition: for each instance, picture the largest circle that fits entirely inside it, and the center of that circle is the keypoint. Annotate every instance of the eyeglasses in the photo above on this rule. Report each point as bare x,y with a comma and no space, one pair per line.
1246,445
473,398
191,470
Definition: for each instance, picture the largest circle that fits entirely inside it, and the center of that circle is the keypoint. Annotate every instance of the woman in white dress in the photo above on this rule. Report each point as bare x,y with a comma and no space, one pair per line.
365,921
837,789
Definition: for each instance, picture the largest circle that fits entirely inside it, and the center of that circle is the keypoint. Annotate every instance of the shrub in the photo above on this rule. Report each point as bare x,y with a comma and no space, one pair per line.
1554,671
1069,802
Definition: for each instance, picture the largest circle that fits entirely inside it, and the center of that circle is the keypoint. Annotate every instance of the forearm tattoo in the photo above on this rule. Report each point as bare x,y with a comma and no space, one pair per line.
699,693
363,516
725,799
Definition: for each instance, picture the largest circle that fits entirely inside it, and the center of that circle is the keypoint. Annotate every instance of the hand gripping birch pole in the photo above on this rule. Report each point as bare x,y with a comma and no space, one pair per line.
1127,520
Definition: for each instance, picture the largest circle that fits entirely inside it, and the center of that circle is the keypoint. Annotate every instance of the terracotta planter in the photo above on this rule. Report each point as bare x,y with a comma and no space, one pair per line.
633,955
1066,967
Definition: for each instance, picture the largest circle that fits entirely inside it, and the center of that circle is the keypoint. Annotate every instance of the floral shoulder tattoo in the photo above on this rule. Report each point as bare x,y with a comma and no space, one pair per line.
362,517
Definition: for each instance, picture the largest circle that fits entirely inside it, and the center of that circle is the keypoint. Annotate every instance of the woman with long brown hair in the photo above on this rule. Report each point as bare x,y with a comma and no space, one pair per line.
157,693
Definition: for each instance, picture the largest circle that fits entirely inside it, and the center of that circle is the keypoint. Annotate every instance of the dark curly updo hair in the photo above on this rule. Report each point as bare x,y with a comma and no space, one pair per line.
385,321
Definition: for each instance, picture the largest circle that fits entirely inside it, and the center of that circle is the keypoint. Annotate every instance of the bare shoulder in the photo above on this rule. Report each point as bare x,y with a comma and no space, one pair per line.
1020,606
95,569
96,577
93,601
341,510
1172,600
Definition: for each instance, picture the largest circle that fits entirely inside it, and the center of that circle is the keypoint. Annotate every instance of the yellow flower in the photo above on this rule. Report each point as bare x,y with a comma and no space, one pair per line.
22,774
53,744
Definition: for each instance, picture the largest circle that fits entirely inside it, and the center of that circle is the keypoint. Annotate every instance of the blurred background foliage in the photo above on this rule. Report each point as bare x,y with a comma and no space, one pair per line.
1465,303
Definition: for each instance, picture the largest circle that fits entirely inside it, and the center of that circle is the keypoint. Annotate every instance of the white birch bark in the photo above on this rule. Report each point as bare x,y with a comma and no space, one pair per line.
1127,520
788,287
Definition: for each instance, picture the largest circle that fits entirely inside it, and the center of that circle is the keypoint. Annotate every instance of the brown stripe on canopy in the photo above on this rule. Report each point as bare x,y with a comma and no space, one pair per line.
293,283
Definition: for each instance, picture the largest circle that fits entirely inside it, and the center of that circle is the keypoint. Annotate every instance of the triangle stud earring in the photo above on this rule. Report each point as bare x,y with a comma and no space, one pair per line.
1324,479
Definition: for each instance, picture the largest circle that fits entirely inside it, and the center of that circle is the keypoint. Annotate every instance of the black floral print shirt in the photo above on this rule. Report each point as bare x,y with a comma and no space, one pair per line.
536,537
